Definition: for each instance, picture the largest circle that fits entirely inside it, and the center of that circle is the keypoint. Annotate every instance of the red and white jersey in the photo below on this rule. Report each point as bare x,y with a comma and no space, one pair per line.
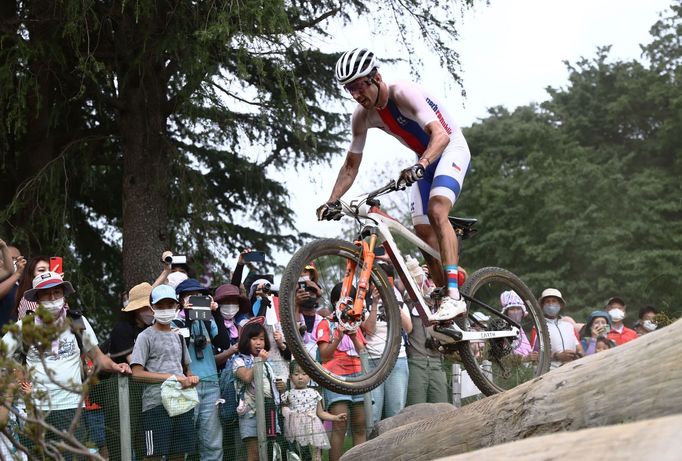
409,109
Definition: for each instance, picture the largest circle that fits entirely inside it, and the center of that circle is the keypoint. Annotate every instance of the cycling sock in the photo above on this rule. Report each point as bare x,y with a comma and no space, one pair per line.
451,271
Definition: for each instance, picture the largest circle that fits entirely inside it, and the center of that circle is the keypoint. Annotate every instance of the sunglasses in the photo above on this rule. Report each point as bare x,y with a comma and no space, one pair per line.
354,87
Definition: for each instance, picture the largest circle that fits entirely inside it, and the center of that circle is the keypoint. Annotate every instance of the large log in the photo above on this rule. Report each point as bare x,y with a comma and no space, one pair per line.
635,381
409,415
649,440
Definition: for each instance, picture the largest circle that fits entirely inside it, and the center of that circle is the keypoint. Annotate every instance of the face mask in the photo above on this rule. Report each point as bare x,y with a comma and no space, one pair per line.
648,325
551,310
147,317
617,315
176,278
53,307
229,310
165,316
516,316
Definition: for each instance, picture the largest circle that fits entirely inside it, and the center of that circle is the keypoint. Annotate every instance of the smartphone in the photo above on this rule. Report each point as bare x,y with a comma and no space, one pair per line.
255,257
606,330
302,285
379,251
200,301
201,308
56,265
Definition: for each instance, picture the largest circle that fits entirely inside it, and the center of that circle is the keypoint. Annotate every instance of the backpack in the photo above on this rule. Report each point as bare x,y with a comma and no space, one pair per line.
228,392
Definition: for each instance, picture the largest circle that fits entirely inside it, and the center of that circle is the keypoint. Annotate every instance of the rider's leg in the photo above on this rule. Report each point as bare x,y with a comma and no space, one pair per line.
439,208
427,234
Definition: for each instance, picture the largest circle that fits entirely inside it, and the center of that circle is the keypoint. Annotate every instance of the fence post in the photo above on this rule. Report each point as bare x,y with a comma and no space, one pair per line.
124,418
369,422
456,385
260,410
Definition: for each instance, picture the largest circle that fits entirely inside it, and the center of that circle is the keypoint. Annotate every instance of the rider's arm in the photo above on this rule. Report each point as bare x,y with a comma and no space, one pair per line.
411,97
347,175
438,141
350,167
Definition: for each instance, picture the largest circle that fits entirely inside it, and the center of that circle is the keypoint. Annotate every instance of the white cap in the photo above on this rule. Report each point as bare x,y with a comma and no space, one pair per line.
552,292
481,317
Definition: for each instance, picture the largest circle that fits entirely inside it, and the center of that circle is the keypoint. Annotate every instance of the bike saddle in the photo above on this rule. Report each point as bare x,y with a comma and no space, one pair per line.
463,226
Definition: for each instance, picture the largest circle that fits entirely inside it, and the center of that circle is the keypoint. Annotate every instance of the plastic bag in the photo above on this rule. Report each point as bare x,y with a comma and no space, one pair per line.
177,400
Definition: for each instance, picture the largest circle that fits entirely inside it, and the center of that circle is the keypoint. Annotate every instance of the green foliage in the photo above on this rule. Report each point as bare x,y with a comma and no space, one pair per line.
583,193
181,111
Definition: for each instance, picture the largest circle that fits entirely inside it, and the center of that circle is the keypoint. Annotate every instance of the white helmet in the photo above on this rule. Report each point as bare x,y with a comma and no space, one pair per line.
354,64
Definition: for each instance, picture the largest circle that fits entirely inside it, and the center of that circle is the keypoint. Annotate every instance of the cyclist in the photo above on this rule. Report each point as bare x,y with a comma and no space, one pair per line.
419,120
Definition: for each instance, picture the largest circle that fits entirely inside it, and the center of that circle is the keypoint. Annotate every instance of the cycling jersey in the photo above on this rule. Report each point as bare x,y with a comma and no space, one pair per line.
409,109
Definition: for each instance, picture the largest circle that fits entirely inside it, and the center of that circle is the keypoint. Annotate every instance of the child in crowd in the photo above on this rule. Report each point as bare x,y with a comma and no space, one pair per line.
160,354
604,344
303,412
254,346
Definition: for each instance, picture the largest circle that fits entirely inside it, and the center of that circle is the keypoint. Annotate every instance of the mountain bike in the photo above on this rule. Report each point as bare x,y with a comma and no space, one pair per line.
489,350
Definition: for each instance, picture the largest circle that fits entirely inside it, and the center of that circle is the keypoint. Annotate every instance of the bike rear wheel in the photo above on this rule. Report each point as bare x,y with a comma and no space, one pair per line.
330,256
495,365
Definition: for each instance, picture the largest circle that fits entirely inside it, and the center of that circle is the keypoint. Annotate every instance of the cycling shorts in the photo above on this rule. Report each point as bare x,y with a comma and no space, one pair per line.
444,178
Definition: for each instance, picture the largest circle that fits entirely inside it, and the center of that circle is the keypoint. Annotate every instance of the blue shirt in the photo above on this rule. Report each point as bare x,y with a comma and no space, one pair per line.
204,368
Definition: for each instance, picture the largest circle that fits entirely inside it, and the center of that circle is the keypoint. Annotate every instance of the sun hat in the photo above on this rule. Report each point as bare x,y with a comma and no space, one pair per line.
163,292
511,299
190,285
552,292
138,297
47,280
227,291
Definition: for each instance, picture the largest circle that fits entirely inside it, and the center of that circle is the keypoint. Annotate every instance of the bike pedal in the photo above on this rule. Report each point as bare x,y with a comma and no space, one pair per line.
446,334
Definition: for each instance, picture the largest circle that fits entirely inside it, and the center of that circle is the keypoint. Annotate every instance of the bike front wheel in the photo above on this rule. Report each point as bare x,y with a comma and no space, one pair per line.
330,259
495,365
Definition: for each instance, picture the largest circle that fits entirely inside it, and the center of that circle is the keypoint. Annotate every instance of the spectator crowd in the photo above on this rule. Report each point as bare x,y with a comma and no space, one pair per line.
179,337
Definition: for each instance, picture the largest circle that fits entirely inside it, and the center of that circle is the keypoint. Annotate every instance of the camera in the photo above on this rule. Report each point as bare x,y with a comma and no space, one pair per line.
265,289
199,345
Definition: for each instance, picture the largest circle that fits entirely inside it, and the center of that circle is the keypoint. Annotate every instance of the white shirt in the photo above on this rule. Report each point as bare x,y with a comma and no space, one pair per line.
561,337
63,364
376,343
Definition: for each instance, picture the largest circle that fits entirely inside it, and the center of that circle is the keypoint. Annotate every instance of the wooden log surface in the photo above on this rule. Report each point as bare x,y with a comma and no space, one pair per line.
649,440
409,415
638,380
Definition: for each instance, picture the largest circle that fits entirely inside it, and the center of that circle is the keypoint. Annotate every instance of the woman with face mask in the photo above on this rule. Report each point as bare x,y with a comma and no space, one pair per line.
136,315
230,303
514,308
565,346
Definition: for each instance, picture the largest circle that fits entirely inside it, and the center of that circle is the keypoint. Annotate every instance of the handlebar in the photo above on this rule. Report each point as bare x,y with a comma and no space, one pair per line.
392,186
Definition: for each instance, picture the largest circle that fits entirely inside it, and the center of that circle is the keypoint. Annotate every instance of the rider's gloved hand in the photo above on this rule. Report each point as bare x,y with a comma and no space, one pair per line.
412,174
329,211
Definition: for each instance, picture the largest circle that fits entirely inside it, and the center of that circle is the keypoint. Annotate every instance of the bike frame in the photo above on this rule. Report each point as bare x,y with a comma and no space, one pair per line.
384,225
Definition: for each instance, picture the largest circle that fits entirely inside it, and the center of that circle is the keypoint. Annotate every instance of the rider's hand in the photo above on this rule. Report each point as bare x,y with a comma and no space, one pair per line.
329,211
412,174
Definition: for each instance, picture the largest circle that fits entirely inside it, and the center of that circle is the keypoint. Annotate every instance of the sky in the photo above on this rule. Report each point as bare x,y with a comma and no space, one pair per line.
510,52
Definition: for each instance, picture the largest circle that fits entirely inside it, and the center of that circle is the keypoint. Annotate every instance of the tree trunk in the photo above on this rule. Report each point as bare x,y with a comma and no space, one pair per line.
649,440
146,158
635,381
